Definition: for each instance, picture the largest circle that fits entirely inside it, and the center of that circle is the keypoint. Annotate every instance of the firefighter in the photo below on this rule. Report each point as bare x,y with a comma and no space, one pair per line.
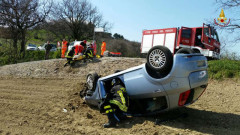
115,104
69,57
78,49
58,45
89,51
94,48
84,44
103,48
64,48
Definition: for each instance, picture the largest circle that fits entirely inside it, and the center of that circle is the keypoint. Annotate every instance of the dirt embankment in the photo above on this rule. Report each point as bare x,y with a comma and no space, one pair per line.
33,96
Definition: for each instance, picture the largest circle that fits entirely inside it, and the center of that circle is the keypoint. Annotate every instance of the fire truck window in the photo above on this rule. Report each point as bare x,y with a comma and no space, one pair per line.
186,33
206,31
213,35
216,36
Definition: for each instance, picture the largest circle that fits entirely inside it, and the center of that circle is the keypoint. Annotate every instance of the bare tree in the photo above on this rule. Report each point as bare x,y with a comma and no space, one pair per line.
21,15
80,17
234,25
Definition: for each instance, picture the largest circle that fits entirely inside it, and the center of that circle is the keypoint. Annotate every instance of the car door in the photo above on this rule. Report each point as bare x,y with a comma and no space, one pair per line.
206,36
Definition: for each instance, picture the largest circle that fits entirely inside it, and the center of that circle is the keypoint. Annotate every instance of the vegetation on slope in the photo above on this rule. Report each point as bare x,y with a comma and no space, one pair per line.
225,68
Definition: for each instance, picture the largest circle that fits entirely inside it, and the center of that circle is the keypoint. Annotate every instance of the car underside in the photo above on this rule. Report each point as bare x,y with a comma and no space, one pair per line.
165,82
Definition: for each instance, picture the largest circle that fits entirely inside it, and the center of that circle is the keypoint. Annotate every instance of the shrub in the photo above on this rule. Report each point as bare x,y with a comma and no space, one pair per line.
5,57
218,76
56,54
219,69
229,74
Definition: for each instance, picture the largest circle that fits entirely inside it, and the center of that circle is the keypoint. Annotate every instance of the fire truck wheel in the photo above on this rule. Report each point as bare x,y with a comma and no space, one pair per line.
92,81
160,59
185,51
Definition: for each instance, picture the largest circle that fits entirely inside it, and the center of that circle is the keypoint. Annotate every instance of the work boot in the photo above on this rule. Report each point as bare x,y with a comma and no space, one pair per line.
109,125
112,122
65,64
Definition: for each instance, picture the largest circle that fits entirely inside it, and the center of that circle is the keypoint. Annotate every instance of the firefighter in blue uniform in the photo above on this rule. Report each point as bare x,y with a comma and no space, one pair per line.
115,104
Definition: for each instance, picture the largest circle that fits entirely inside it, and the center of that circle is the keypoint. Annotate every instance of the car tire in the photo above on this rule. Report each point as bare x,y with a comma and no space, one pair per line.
185,51
91,81
160,59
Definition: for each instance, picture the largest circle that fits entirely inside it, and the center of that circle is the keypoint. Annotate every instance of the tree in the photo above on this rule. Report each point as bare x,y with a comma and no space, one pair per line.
80,17
234,25
58,28
118,36
21,15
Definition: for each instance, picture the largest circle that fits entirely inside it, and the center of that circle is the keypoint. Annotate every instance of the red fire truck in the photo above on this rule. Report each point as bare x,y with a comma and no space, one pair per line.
202,40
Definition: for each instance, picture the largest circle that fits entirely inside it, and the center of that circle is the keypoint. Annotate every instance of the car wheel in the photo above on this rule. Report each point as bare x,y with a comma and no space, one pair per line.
92,81
160,59
185,51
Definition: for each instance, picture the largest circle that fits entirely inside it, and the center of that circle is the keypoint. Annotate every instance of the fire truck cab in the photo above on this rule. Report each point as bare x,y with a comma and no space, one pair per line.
202,40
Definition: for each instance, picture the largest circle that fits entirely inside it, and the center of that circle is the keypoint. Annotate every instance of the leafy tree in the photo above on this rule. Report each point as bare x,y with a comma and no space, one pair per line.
118,36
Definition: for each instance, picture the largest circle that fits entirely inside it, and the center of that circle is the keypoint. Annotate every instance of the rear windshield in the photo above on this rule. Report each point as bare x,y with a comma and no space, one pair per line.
31,45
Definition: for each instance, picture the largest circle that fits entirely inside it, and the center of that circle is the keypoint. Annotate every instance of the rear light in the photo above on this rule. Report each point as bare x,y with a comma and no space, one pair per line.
189,56
183,98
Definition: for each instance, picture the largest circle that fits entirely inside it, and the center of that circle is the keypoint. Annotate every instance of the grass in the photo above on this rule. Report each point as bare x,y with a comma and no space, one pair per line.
6,56
219,69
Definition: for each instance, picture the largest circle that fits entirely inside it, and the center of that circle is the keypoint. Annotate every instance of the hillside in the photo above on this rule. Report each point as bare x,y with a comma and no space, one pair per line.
34,94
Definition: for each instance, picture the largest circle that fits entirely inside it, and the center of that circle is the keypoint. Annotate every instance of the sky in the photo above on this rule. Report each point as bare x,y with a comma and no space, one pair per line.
131,17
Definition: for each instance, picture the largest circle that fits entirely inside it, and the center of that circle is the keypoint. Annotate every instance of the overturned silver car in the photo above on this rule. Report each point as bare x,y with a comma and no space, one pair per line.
164,82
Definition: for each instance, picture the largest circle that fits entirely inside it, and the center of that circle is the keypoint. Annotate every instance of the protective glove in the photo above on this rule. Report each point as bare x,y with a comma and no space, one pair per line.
102,104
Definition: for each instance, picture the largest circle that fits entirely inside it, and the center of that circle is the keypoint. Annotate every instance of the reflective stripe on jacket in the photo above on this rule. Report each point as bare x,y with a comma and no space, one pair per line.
70,54
64,45
120,98
103,47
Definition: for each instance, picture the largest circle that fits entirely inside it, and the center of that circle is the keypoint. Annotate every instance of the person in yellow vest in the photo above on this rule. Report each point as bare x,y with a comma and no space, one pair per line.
103,48
64,48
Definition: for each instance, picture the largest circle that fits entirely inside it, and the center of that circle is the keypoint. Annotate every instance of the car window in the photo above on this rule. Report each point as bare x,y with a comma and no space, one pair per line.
54,46
31,45
71,44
